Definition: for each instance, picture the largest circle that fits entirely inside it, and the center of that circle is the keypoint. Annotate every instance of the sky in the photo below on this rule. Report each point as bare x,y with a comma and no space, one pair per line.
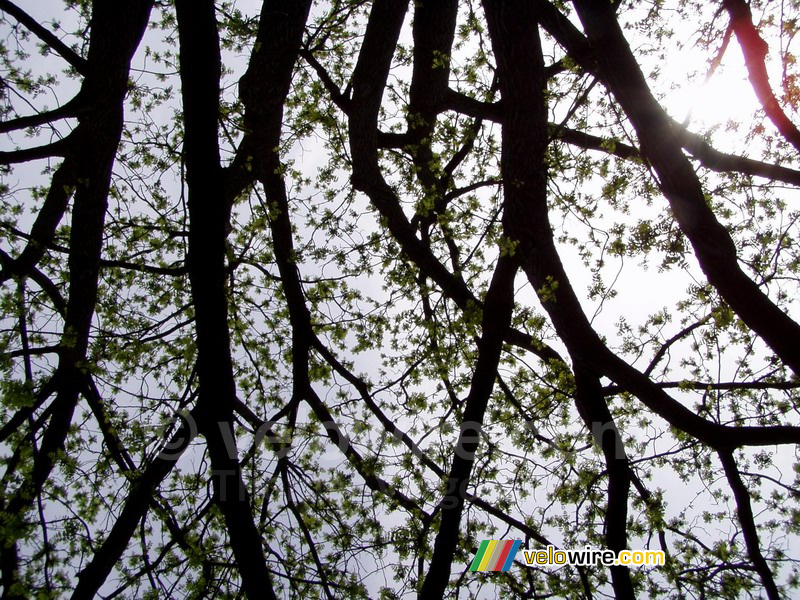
725,97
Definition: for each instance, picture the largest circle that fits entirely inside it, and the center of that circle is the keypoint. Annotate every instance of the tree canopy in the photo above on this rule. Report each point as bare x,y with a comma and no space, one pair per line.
307,299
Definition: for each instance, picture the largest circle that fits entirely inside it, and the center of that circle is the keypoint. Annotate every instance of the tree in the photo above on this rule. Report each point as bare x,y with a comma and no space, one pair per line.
307,299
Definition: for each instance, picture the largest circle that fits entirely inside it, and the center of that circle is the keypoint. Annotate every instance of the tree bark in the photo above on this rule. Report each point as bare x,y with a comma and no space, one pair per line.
200,78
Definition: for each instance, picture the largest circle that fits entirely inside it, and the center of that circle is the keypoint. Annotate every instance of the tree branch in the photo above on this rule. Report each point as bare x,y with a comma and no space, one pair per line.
711,241
755,51
79,63
200,79
746,519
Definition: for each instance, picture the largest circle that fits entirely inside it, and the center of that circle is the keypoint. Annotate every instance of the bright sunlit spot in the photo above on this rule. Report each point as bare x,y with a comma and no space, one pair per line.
726,96
703,100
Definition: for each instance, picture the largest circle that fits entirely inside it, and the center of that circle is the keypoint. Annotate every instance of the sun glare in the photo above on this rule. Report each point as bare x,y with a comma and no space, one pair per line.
704,100
726,96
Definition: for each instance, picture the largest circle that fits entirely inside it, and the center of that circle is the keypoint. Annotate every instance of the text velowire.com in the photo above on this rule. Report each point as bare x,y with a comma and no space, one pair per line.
589,557
498,555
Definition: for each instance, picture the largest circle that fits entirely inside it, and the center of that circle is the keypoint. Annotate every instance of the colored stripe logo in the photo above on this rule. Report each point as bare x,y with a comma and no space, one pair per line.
495,555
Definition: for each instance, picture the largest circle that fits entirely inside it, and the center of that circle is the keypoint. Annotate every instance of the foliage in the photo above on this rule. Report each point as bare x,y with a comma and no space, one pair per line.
436,273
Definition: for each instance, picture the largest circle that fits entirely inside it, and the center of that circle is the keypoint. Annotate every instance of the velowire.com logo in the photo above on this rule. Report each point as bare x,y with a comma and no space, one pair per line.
495,555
